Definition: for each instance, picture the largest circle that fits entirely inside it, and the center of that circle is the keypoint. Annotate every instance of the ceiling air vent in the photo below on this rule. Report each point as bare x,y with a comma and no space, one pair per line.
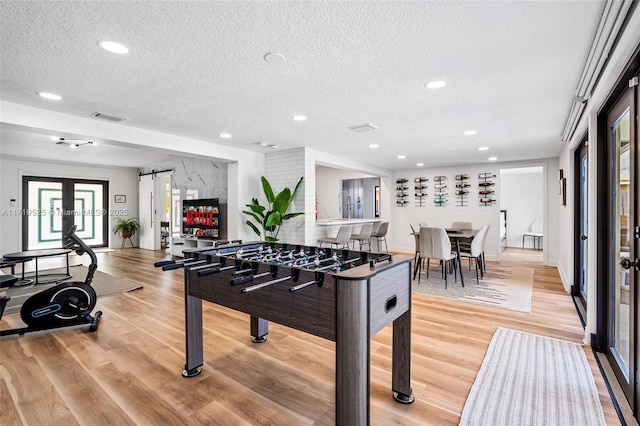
361,128
108,117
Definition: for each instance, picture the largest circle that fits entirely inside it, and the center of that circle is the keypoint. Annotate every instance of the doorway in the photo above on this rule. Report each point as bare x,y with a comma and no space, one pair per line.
154,209
54,205
522,211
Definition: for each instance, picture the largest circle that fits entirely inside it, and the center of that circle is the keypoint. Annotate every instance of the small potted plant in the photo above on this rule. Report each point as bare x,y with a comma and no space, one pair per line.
126,227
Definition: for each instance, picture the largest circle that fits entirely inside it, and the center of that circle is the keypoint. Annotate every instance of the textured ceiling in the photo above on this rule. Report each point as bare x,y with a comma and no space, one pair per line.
196,69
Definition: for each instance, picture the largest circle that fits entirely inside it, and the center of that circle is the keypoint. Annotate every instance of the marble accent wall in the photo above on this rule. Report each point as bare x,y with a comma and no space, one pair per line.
208,177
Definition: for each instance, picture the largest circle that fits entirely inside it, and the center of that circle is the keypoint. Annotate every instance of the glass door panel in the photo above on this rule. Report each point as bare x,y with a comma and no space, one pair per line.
89,212
583,223
44,212
624,233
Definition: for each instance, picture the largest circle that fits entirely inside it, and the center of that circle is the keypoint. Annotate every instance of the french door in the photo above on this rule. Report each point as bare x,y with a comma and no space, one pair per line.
624,244
53,205
579,289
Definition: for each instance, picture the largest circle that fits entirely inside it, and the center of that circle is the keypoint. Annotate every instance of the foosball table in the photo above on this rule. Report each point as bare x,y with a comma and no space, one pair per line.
341,295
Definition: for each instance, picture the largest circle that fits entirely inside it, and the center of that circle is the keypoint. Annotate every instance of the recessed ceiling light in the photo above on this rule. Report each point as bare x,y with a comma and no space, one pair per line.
401,157
492,158
299,117
470,133
225,135
274,58
373,145
420,164
483,148
436,84
50,96
113,47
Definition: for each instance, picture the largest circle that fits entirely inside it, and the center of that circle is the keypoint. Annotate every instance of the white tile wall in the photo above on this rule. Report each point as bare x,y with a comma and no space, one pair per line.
284,169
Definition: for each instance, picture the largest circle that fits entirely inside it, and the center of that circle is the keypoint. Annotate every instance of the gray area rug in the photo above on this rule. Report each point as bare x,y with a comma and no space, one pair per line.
505,287
526,379
103,284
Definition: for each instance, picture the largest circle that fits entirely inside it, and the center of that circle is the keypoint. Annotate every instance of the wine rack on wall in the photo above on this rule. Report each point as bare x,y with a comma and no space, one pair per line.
462,190
402,192
420,187
486,189
440,191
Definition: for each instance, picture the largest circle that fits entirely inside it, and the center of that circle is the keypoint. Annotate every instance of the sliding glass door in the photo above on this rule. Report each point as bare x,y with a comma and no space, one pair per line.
53,205
624,247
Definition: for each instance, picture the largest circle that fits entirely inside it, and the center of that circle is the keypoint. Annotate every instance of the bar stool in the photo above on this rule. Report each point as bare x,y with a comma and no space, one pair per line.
381,234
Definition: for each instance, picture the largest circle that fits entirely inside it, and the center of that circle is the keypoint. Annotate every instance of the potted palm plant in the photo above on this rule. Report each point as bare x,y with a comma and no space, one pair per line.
126,227
268,219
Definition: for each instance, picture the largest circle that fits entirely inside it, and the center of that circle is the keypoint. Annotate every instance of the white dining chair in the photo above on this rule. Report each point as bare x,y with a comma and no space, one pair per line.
535,232
435,244
476,250
416,236
464,243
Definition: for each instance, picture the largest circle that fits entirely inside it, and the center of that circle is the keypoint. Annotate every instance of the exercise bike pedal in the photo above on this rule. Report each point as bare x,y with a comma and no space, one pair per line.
94,323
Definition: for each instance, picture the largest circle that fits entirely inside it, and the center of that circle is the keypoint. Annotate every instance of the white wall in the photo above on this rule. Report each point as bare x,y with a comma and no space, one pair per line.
521,195
123,181
401,239
243,185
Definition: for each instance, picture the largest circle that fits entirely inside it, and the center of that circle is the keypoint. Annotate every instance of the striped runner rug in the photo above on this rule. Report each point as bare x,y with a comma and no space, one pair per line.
527,379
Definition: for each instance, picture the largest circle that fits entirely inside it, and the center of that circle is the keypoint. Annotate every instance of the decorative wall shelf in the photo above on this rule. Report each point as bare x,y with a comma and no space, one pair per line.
486,191
440,191
402,192
420,187
462,190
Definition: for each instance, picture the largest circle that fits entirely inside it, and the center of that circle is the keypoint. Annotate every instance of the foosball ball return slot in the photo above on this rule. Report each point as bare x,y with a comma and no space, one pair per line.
341,295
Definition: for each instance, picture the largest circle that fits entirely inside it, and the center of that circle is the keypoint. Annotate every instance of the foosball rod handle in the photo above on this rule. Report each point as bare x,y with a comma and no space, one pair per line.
265,284
246,279
207,266
206,272
303,285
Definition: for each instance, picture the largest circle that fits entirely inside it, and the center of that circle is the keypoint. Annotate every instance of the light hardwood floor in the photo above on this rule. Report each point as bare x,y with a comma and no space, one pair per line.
129,371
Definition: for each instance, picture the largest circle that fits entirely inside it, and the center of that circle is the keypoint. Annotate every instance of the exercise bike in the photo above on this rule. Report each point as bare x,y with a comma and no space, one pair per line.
64,305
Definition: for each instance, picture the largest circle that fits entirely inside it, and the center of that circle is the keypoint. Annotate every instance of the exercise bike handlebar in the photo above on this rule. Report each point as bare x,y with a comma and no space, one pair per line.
73,242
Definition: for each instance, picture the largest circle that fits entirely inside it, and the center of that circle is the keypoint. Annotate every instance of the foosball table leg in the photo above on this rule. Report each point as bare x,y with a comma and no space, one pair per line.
193,319
401,367
259,329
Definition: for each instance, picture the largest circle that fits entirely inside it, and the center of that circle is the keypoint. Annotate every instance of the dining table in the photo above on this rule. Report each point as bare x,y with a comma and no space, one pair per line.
455,236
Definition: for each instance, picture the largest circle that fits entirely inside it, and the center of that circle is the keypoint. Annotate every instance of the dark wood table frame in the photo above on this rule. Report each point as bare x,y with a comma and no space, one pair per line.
349,308
24,256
